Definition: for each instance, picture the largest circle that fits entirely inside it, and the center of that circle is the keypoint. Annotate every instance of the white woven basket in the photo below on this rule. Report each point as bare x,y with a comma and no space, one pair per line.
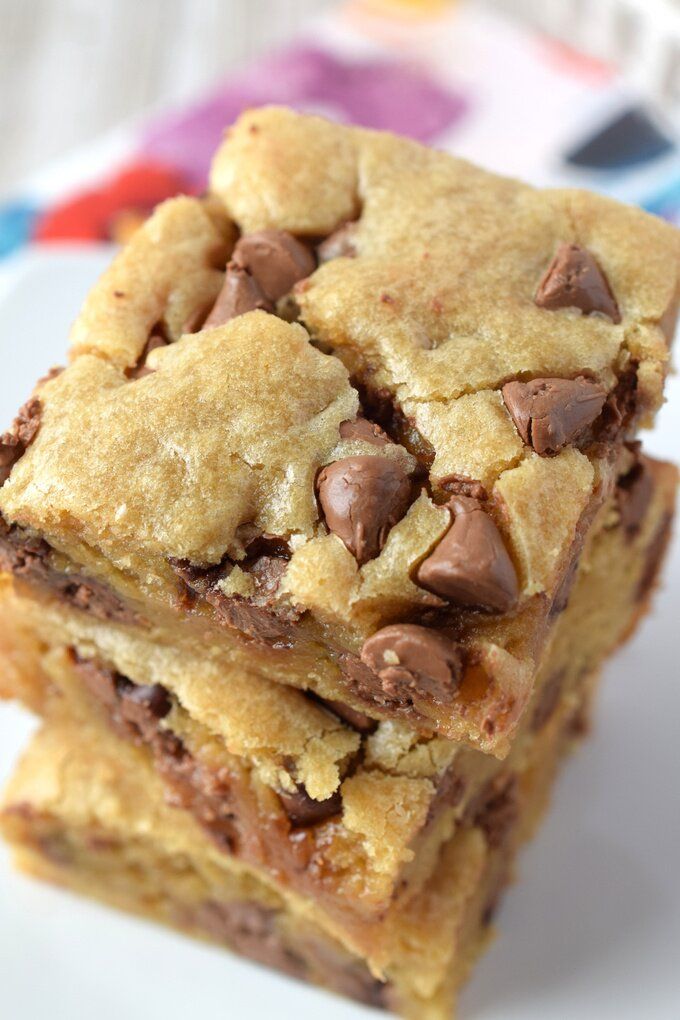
642,37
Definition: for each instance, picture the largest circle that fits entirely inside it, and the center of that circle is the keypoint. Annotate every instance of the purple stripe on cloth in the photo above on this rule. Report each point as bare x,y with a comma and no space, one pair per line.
381,94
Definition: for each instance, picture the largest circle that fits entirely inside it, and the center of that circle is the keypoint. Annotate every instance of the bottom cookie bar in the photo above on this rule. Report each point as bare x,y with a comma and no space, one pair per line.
87,811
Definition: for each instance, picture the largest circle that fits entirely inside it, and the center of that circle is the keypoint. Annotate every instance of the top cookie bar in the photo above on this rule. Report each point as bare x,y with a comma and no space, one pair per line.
347,420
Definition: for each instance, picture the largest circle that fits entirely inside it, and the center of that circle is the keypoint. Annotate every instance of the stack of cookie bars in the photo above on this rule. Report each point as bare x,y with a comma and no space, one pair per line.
313,554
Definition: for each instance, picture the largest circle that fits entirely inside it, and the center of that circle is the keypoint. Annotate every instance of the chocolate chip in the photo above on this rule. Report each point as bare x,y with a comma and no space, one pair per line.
457,485
15,442
136,708
410,662
144,704
339,244
240,293
365,686
275,259
267,573
550,413
101,682
352,716
141,369
303,811
634,492
200,579
362,499
91,596
470,565
574,280
362,428
265,624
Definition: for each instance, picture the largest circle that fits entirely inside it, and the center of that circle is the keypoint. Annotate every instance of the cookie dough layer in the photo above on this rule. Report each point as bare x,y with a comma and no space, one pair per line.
87,812
281,442
252,773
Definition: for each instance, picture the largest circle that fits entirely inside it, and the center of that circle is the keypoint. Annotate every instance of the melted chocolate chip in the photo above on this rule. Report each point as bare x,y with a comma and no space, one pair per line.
138,708
275,259
141,369
457,485
257,616
470,565
382,407
551,413
620,407
352,716
200,580
15,442
135,713
240,293
303,811
339,244
409,661
362,428
100,682
28,558
574,280
634,492
362,498
144,705
266,624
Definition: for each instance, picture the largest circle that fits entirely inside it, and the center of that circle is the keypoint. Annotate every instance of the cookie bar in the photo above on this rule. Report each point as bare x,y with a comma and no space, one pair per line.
346,422
86,811
347,813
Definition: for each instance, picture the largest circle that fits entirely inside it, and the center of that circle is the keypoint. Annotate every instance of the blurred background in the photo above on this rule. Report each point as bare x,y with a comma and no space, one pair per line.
69,69
130,96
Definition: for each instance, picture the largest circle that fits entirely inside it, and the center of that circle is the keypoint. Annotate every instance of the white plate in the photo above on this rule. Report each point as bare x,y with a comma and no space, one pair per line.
591,931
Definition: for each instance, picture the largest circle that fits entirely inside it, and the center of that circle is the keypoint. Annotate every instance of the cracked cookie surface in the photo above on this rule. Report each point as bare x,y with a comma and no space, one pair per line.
505,338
